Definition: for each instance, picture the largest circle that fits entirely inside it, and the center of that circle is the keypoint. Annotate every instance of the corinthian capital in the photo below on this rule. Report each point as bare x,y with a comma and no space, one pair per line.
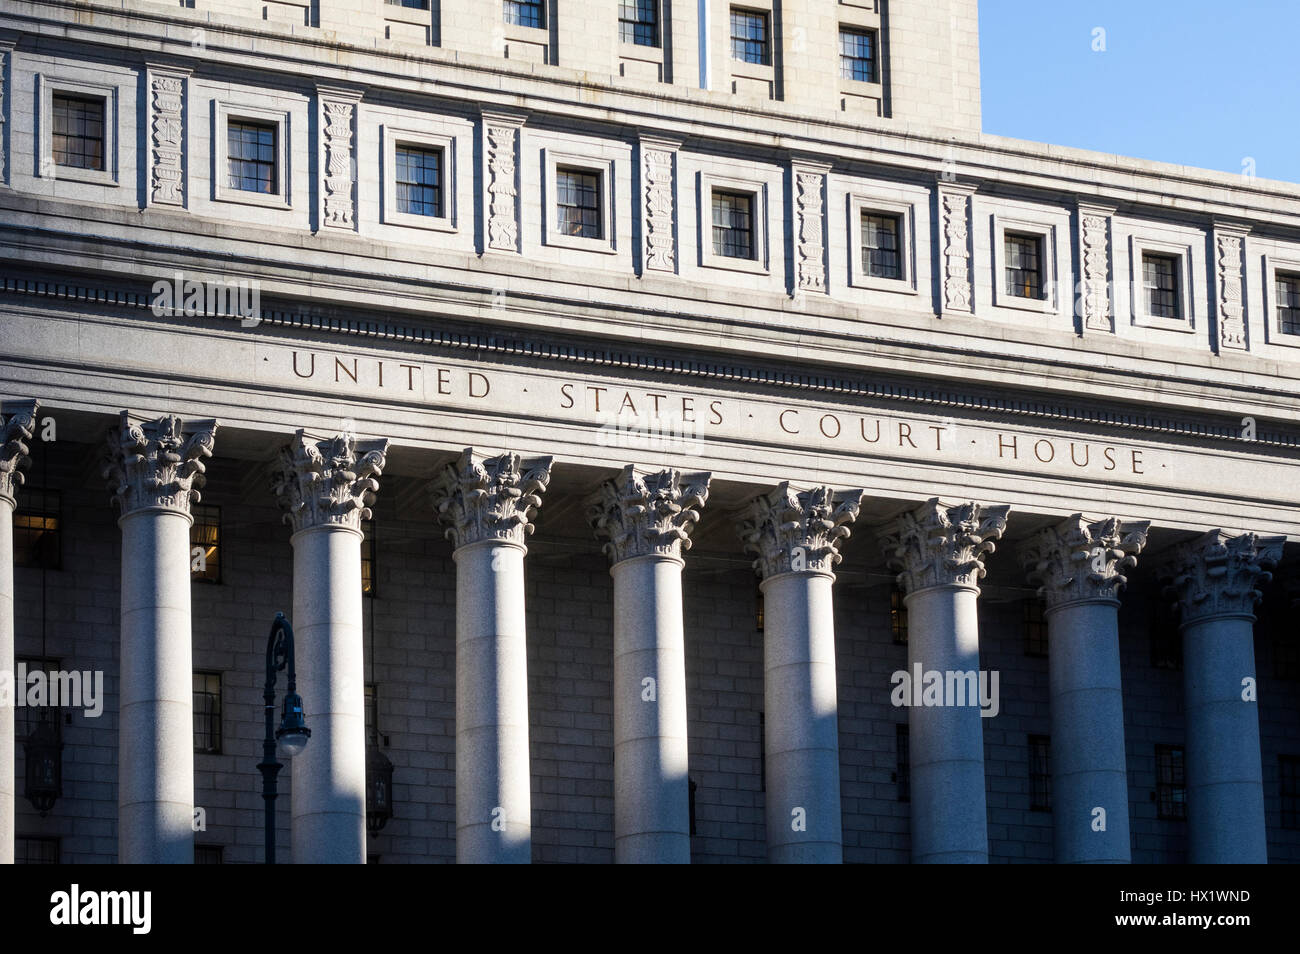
798,530
648,513
16,430
490,498
1084,560
329,482
1219,575
940,544
158,463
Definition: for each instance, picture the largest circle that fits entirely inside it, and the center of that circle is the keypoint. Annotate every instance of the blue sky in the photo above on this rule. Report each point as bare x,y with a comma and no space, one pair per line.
1199,83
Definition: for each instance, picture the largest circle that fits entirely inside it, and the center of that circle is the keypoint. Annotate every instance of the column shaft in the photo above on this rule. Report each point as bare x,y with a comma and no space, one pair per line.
7,764
1088,764
651,797
1225,790
946,744
802,734
155,721
493,796
329,775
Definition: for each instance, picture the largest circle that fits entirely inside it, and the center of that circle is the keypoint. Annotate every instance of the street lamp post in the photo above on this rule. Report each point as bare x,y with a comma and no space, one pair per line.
292,735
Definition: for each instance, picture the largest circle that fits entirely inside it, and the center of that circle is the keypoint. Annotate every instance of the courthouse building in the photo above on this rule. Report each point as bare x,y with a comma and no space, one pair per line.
674,431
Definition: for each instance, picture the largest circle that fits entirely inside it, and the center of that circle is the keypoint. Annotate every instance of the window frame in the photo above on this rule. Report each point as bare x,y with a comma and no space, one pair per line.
220,713
553,161
392,137
1049,277
865,204
26,717
1161,813
657,6
23,509
898,621
758,190
50,86
223,114
541,24
874,36
1273,265
766,17
1034,627
1040,782
1139,248
195,511
21,853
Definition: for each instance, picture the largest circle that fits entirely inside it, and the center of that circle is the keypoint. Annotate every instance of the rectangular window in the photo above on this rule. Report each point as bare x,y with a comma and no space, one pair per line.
1040,773
733,224
524,12
762,752
1024,265
38,541
371,711
898,615
903,774
1171,783
577,203
26,718
1289,779
251,148
638,22
367,558
881,256
1160,280
36,851
205,543
1035,626
410,4
207,712
690,789
208,855
419,180
1288,303
758,608
77,124
858,55
749,42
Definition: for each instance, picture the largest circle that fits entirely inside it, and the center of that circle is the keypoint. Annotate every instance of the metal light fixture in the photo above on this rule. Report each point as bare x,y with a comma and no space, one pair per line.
43,754
292,735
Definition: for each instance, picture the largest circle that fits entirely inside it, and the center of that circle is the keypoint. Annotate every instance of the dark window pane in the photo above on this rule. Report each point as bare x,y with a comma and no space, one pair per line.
207,712
1024,266
749,36
27,718
412,4
1171,783
77,130
1288,304
38,540
1160,278
733,225
577,203
903,773
251,148
880,246
638,22
524,12
897,615
36,851
419,181
367,558
858,55
1040,773
208,855
205,543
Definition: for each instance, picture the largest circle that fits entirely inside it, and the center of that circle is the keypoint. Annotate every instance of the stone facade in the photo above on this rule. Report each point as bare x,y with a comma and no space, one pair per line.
591,412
